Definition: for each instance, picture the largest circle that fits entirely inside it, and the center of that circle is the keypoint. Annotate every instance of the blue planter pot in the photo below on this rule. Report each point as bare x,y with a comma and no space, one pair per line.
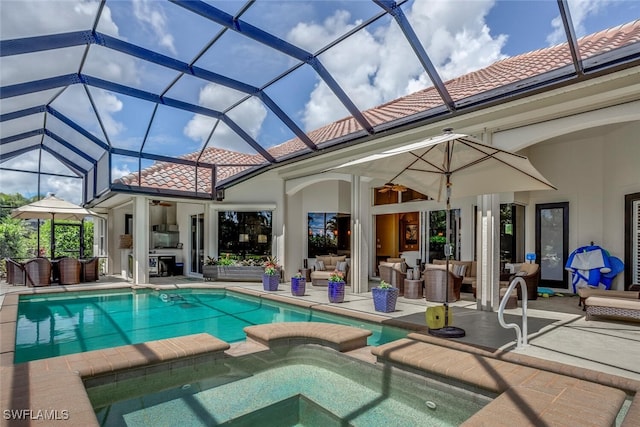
270,283
336,291
384,300
298,286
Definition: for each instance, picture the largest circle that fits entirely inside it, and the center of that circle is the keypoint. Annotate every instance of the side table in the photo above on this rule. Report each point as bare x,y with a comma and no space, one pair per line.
306,272
412,289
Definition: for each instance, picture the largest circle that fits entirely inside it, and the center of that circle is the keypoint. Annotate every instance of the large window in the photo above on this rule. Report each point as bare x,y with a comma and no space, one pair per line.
329,233
244,234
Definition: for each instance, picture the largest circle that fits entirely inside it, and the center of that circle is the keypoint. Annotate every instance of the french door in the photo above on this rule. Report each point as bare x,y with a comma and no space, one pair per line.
552,242
631,239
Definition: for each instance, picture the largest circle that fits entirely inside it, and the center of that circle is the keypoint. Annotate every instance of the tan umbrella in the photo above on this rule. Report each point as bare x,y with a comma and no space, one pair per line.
51,208
446,164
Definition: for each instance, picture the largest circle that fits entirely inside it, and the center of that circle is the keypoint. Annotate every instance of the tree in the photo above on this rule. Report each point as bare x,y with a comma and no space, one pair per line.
67,238
13,238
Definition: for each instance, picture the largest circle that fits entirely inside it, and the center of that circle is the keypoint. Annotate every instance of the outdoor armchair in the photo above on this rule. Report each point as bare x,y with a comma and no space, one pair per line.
530,272
393,274
15,272
69,271
435,281
38,272
89,269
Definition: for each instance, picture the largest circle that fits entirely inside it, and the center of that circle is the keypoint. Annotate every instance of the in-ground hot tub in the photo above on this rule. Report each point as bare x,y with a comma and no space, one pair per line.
304,385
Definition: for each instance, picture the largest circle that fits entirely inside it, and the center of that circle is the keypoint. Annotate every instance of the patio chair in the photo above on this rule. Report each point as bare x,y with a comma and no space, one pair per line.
89,269
15,272
69,271
38,272
530,272
435,280
392,274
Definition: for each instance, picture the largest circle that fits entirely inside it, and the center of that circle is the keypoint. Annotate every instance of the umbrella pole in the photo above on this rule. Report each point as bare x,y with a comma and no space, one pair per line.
447,331
52,246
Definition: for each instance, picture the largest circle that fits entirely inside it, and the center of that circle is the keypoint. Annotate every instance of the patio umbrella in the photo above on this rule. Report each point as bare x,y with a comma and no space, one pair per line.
446,164
51,208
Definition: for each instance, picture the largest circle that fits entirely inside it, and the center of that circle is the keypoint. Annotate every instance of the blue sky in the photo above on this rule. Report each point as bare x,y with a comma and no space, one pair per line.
373,67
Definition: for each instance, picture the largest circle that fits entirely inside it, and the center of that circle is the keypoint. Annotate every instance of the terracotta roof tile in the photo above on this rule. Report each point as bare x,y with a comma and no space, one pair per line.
174,176
501,73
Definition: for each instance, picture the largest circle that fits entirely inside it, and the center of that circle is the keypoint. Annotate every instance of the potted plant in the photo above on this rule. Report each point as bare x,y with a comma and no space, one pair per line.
336,286
210,269
271,276
298,285
385,297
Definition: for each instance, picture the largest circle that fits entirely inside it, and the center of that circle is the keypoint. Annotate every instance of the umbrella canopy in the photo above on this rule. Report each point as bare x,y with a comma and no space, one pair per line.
455,161
450,163
51,207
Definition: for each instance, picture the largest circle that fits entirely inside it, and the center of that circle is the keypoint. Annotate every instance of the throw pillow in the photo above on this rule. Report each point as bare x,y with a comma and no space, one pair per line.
459,269
342,266
319,265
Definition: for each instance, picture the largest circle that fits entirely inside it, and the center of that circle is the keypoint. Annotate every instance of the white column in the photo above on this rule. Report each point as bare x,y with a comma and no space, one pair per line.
488,250
140,240
359,255
356,229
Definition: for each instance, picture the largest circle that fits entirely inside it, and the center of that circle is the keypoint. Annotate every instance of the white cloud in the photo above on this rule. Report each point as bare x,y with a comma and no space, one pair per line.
118,171
382,66
249,116
579,10
69,189
154,18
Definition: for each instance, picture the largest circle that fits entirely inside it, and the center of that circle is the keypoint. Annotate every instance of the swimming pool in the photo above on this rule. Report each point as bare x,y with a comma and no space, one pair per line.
305,385
73,322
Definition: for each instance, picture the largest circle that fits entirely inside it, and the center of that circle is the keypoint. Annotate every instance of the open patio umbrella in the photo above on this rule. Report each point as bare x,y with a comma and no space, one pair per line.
51,208
450,163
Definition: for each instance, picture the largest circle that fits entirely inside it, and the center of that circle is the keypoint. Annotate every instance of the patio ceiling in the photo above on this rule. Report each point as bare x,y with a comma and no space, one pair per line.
101,91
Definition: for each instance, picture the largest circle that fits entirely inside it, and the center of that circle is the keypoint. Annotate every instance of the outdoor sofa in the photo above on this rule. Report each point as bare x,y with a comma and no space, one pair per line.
622,305
327,264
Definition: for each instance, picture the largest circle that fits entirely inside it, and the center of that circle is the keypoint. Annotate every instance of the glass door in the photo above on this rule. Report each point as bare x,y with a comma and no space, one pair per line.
631,239
552,241
197,243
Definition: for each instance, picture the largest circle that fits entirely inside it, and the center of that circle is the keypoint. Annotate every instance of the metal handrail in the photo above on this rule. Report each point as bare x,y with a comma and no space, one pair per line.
521,336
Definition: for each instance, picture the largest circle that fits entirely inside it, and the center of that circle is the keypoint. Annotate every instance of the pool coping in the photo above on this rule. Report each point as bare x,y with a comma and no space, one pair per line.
530,390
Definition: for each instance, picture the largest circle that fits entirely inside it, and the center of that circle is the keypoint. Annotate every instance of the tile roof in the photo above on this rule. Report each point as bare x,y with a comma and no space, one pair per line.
174,176
498,74
504,72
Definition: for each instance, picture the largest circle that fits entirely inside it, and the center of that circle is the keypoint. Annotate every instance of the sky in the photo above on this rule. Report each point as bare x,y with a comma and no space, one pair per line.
373,66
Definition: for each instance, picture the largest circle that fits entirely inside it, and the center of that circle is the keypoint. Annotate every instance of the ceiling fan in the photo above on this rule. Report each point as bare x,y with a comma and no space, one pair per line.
159,203
389,186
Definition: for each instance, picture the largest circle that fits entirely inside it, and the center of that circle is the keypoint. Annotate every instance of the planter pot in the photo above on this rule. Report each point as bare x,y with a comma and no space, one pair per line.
384,300
270,283
298,286
210,272
336,291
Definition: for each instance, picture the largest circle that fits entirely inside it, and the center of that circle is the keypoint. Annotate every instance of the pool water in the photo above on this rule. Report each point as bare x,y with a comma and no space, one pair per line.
301,386
60,324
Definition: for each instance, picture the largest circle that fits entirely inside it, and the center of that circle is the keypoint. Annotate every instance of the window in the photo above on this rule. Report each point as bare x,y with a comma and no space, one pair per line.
511,233
244,234
386,196
437,233
329,233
